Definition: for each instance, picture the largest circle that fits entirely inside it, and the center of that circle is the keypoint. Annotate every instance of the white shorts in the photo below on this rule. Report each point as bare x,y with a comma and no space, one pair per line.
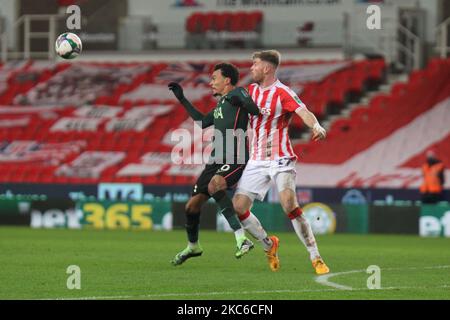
257,175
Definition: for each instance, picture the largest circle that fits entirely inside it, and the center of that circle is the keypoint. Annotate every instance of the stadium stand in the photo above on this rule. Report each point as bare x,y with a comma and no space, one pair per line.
224,29
111,120
383,115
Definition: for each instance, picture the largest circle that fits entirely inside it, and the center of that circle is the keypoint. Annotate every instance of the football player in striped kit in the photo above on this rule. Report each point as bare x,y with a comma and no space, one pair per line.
273,159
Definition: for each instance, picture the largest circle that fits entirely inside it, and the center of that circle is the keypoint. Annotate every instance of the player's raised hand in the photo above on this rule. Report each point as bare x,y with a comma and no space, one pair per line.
319,133
235,101
177,90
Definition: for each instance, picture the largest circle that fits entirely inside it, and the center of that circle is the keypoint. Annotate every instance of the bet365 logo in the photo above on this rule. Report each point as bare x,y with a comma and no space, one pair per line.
431,226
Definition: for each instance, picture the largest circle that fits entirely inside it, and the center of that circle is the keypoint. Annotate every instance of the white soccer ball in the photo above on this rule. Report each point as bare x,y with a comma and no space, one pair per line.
68,45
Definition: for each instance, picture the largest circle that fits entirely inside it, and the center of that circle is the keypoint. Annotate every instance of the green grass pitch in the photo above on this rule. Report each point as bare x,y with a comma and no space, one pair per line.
135,265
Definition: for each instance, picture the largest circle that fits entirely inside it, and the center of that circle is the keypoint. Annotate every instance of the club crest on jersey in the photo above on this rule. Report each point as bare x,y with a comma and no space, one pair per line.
218,113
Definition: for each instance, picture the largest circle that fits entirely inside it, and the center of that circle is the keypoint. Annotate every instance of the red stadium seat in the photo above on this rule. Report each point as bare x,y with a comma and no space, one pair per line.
237,22
223,21
195,22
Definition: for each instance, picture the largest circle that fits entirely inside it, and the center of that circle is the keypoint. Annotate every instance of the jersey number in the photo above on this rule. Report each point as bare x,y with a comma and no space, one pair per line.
224,168
265,111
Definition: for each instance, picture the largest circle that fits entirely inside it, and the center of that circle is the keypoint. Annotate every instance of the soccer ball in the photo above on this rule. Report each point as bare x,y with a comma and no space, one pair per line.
68,45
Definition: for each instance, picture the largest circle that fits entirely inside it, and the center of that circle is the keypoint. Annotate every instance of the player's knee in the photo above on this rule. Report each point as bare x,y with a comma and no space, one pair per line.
211,188
217,184
192,207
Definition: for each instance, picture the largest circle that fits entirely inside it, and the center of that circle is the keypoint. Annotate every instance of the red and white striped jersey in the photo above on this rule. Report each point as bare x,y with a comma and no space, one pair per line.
276,103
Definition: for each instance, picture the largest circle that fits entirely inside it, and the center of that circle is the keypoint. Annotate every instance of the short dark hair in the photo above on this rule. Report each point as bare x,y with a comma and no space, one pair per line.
228,70
271,56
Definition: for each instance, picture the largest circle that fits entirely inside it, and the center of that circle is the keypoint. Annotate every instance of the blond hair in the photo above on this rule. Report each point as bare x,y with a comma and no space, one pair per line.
271,56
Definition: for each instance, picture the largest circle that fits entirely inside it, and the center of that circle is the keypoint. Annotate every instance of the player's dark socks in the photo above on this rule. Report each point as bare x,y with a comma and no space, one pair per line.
192,226
227,209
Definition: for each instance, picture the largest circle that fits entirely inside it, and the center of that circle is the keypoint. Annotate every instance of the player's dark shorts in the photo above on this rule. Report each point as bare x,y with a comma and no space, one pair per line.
231,172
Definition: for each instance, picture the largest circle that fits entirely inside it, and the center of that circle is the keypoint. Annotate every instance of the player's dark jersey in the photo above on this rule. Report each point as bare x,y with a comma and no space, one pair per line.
230,144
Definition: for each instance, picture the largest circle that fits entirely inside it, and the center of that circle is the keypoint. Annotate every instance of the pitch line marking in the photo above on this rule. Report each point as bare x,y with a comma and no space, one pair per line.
206,294
232,293
336,288
323,280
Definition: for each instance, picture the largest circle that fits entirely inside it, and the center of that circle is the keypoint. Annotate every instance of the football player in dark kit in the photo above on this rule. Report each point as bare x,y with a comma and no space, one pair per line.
228,158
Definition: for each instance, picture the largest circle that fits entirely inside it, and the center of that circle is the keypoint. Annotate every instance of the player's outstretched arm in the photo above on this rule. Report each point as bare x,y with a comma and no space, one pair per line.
178,92
310,120
248,104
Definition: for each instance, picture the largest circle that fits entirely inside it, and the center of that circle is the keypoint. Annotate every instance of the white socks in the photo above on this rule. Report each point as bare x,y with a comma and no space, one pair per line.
305,234
301,226
254,227
239,234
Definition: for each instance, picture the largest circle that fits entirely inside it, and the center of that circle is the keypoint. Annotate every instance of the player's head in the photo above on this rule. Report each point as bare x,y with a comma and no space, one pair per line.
431,155
265,63
224,78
